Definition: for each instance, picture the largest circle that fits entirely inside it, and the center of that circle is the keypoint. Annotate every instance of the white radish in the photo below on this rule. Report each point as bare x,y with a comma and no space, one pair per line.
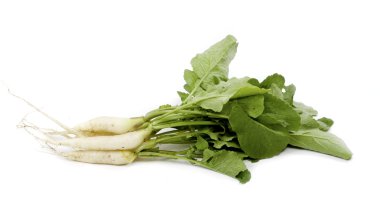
111,125
101,157
118,157
127,141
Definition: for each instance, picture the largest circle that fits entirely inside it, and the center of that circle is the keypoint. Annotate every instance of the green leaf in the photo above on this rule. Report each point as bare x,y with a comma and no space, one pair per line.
307,115
276,84
207,155
227,137
244,176
201,143
276,91
182,95
255,139
213,135
254,81
218,144
190,152
252,160
279,112
228,163
242,87
290,90
276,78
320,141
213,63
191,79
211,66
253,105
302,108
216,97
308,122
325,123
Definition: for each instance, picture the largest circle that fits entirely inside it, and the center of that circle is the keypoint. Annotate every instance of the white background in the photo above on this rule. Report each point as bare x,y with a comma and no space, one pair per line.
81,59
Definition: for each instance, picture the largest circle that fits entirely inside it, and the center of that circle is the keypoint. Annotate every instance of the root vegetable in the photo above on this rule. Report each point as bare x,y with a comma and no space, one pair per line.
101,157
127,141
109,125
220,123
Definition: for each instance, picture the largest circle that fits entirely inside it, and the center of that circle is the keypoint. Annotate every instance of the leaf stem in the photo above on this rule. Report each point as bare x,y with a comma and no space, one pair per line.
183,123
204,113
146,154
178,108
181,136
174,117
157,112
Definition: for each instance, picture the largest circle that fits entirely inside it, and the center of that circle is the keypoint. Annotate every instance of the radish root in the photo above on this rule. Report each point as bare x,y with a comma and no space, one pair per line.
112,157
63,126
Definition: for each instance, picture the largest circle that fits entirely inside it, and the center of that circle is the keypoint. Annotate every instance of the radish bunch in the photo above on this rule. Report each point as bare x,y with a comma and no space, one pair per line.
220,123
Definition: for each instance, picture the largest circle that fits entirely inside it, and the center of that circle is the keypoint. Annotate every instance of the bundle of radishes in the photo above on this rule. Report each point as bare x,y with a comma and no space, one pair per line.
221,122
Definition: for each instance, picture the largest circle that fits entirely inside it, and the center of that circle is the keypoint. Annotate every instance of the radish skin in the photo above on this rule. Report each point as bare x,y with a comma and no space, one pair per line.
101,157
111,125
127,141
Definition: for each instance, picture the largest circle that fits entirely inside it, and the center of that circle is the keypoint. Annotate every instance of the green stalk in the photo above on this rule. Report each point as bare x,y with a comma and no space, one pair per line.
176,138
157,112
178,108
204,113
146,154
174,117
183,123
171,132
177,133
